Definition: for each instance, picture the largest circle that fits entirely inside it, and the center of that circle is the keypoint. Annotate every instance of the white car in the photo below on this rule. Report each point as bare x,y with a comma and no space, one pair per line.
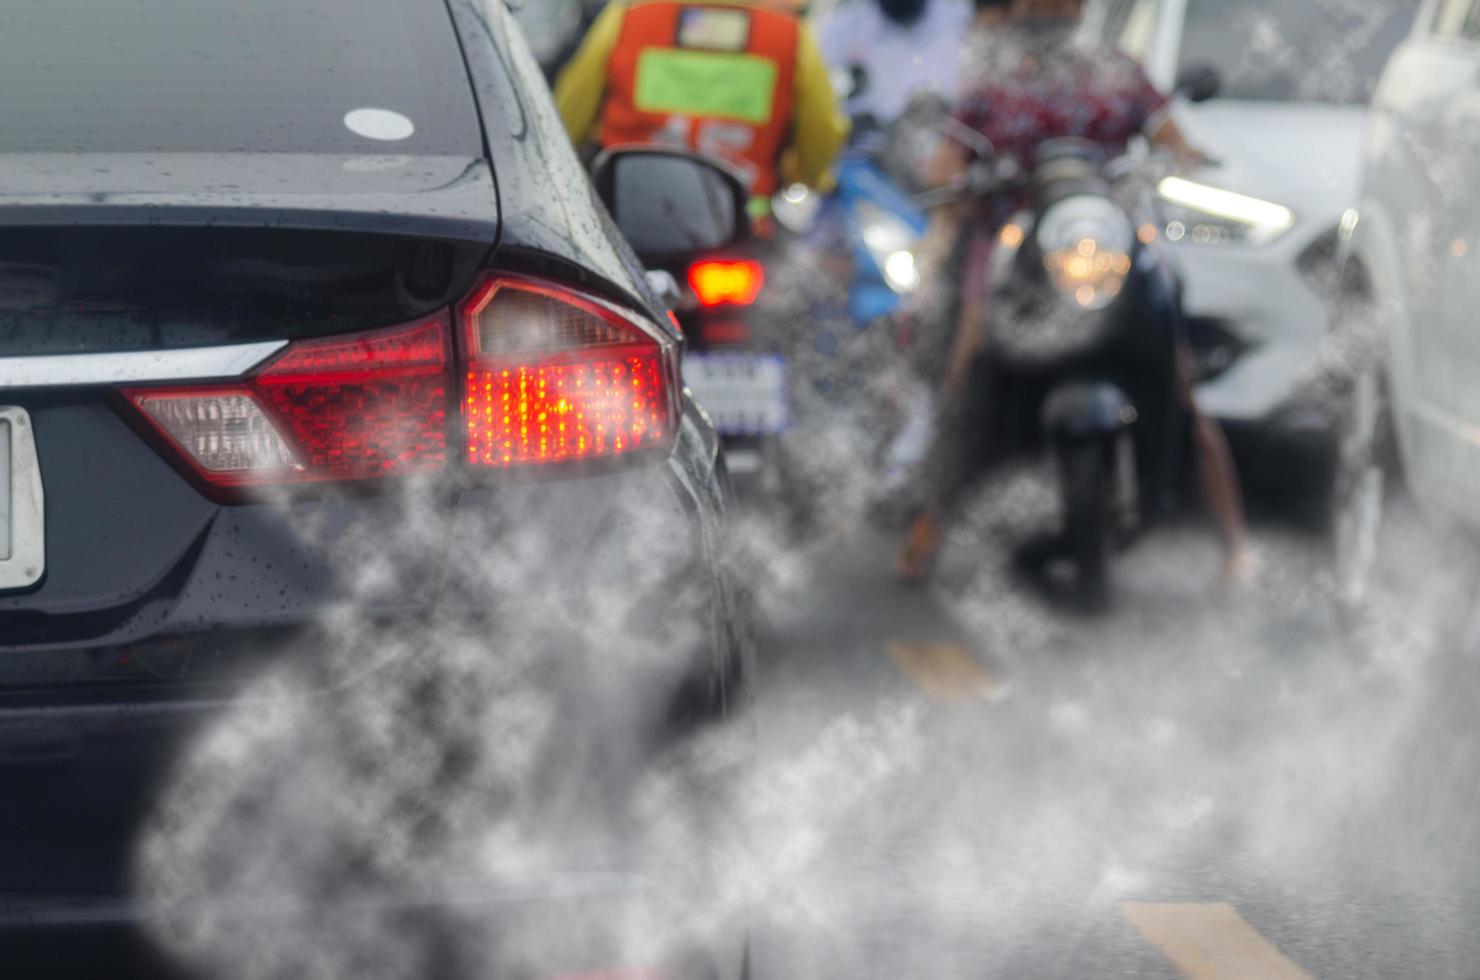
1415,236
1256,234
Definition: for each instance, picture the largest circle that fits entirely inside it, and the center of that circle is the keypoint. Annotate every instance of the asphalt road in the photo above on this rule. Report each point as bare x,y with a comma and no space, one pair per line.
970,780
978,782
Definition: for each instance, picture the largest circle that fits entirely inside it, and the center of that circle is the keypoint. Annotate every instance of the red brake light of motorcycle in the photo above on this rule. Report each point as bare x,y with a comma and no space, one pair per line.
727,283
357,407
557,376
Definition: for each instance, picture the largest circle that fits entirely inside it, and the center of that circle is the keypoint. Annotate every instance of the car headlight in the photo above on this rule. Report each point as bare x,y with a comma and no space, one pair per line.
1205,215
1086,243
890,241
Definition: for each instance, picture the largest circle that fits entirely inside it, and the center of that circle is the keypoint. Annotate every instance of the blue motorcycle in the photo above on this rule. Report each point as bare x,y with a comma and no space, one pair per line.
870,219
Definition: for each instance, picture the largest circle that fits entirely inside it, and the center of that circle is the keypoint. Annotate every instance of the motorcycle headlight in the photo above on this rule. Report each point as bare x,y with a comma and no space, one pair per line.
1204,215
890,241
1086,243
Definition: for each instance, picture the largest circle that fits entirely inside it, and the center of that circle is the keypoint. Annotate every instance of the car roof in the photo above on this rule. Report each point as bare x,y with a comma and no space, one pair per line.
208,76
336,113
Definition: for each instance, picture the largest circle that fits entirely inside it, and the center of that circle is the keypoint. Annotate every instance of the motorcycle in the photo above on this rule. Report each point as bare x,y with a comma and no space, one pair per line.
1078,358
733,361
869,218
776,328
854,270
778,346
745,309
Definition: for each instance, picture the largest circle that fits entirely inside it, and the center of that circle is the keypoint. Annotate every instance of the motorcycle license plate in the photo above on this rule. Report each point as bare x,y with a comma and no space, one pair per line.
22,530
744,394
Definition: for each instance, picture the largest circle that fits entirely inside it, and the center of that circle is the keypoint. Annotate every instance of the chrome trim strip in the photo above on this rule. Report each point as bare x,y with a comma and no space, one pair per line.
135,367
26,562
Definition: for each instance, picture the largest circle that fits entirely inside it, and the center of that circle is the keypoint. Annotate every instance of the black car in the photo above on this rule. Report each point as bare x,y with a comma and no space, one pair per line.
346,473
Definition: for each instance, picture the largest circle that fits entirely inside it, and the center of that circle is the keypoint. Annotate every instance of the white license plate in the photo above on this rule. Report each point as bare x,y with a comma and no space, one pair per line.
22,530
744,394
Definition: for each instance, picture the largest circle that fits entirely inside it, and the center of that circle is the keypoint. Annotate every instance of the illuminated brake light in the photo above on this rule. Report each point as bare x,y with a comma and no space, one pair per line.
361,407
548,375
368,406
555,376
720,283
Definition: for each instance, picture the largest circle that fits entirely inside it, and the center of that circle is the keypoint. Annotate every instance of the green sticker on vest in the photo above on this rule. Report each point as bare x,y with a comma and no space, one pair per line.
702,83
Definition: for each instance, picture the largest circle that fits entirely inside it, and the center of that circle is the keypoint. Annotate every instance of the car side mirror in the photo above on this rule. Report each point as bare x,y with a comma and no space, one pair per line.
671,204
1199,84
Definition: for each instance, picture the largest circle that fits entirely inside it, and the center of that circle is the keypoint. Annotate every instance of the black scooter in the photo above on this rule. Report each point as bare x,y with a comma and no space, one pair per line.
1079,358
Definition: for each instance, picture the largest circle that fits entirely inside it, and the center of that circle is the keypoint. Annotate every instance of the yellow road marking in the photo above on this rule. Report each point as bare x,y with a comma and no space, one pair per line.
1211,942
944,671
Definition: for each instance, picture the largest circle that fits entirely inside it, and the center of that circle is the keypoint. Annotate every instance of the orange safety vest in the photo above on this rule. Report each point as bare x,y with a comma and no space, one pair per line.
718,79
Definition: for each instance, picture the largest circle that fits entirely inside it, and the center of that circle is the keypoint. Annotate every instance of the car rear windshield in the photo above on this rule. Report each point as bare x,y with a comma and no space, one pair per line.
291,76
1323,51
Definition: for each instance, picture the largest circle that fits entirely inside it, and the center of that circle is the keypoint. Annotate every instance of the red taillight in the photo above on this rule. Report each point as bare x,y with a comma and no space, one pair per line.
549,375
727,283
724,333
554,376
360,407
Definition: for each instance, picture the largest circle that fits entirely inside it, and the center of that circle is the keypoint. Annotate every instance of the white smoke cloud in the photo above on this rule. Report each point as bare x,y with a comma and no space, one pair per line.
399,826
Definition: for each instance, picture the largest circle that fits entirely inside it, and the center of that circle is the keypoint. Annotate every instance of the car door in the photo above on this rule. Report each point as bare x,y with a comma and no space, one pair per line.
1448,346
1421,174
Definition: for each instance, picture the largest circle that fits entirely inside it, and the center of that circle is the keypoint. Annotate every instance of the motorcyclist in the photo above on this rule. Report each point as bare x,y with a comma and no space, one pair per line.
742,80
903,47
1028,80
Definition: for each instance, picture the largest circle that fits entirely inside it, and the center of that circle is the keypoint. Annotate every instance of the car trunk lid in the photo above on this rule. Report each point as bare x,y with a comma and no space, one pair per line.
449,196
221,270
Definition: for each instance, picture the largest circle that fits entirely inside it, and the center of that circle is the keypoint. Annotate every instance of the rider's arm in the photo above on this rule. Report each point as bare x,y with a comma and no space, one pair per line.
948,162
1164,132
819,128
1159,127
582,84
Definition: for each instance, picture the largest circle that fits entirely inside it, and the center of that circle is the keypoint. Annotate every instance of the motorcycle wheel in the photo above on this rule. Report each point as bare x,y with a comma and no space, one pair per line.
1361,482
1088,526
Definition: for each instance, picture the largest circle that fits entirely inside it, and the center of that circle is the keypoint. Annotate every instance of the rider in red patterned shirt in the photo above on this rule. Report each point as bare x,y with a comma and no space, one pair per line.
1030,78
1033,80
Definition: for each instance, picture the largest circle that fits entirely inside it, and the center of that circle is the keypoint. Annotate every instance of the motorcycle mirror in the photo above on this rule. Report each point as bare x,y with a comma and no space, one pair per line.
851,82
672,205
796,208
665,287
1199,84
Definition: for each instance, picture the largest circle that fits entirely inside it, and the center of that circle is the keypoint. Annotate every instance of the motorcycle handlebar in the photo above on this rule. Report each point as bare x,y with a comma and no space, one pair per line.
981,179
